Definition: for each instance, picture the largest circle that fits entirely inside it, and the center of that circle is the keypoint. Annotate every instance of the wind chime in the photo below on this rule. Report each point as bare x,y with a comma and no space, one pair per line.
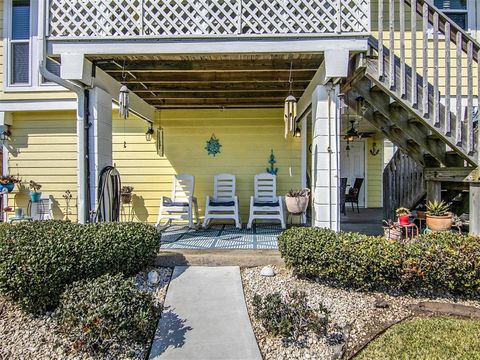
124,103
290,110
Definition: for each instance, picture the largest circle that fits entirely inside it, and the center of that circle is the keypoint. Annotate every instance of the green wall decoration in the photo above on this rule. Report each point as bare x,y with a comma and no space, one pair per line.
272,170
213,146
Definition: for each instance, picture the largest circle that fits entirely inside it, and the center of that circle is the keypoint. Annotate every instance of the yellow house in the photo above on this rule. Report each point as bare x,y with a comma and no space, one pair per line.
223,69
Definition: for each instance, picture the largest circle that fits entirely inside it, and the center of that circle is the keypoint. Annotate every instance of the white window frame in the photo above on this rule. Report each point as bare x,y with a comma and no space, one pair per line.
35,78
469,11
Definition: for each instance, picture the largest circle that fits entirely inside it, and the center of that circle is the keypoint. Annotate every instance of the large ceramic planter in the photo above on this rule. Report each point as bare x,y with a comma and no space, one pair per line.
439,223
7,187
296,205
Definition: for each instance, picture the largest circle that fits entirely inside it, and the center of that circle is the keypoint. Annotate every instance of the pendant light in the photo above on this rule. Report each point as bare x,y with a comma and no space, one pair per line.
290,109
149,133
123,97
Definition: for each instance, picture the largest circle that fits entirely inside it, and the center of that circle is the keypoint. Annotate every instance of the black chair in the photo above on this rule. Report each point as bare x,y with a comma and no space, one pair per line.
352,196
343,190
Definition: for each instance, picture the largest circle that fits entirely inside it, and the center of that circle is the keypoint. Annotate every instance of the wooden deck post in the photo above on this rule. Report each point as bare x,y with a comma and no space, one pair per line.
434,191
474,208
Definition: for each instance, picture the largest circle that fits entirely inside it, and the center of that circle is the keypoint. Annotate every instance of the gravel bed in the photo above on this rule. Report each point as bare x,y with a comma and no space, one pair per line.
357,315
23,336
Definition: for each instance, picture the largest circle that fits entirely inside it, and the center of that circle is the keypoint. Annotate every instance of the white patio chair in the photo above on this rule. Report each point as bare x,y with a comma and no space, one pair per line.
265,204
224,203
42,210
182,205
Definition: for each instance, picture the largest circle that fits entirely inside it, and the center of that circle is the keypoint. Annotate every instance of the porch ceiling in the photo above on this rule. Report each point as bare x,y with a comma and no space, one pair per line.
233,81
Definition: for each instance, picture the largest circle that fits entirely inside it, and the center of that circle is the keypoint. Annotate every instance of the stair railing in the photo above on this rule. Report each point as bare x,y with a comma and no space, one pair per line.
460,57
403,184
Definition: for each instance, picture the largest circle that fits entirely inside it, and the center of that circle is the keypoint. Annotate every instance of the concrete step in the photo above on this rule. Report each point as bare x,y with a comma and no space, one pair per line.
223,257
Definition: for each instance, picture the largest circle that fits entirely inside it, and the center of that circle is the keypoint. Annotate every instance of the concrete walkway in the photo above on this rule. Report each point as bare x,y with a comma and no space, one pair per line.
205,317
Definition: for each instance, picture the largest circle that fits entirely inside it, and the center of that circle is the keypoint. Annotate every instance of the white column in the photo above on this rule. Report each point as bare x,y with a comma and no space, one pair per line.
325,157
99,138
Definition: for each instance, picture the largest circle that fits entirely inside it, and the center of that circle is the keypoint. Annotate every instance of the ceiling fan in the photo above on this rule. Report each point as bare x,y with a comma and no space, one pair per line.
353,133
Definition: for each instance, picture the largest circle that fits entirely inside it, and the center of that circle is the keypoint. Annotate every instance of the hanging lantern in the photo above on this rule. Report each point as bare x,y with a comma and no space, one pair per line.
123,102
290,114
149,133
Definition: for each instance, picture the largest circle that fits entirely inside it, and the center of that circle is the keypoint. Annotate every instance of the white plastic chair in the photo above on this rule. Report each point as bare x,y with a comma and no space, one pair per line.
265,204
224,203
182,205
42,210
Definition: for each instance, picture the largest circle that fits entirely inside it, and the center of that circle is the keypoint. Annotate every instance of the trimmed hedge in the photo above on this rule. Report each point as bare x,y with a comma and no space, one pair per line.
104,312
438,262
38,259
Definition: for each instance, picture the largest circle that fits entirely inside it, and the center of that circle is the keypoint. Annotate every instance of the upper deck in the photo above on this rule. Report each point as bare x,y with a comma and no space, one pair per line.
197,19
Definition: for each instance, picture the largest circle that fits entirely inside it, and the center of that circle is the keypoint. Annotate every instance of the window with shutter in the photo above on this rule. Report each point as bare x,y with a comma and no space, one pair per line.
20,43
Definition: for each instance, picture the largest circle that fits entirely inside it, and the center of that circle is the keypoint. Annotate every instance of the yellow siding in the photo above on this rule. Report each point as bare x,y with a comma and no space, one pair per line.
44,149
374,174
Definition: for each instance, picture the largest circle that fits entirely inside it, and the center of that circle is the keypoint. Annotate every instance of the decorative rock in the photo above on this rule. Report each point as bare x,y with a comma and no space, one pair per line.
153,277
267,271
381,303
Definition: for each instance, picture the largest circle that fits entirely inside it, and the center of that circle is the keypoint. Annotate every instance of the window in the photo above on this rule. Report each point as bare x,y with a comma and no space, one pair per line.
20,43
456,10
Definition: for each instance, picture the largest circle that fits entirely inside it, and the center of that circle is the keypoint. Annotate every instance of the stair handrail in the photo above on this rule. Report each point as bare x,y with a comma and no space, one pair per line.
462,131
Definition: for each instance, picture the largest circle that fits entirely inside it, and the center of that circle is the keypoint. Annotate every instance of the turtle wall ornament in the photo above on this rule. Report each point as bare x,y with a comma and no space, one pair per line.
213,146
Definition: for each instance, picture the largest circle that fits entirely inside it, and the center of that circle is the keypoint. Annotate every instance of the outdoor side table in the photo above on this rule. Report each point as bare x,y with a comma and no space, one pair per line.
23,218
413,229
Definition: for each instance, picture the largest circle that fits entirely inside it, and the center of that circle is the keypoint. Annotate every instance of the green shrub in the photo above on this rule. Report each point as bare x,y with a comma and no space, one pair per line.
289,317
443,261
351,259
438,261
107,310
38,259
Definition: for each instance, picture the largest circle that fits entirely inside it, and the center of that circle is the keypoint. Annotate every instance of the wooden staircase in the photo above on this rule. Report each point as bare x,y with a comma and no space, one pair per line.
424,103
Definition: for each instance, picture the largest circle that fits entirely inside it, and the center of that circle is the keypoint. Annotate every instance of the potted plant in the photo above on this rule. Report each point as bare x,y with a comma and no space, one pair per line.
403,215
439,217
296,201
421,211
34,194
392,230
7,183
126,194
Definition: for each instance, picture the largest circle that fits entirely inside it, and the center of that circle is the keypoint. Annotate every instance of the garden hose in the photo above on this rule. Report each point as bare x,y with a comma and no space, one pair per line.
109,191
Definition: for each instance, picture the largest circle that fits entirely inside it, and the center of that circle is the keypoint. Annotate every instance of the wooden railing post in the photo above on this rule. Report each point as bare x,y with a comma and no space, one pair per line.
434,191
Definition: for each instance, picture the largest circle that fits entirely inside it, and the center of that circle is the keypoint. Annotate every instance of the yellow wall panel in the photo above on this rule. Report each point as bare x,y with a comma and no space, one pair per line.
44,149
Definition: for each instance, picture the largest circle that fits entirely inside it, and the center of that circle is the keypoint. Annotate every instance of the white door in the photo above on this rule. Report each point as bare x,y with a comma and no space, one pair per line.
352,166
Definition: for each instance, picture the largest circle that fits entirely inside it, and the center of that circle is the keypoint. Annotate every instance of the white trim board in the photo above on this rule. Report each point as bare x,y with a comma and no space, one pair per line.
205,46
38,105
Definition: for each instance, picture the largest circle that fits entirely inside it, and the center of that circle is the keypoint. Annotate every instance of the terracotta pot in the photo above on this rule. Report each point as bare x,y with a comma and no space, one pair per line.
296,205
439,223
404,219
421,214
126,198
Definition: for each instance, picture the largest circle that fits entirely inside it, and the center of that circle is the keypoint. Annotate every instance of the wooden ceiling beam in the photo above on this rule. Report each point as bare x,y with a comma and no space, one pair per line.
214,87
212,65
217,102
270,76
217,95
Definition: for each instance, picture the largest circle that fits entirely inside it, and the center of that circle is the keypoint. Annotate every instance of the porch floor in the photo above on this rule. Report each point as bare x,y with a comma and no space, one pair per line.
261,236
368,222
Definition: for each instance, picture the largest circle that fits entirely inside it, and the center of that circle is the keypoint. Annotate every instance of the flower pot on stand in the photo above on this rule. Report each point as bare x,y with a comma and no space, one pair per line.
7,187
439,223
404,219
296,205
35,196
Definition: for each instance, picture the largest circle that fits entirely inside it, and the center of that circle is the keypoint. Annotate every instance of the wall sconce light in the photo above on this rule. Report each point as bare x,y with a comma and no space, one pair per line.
149,133
5,133
374,151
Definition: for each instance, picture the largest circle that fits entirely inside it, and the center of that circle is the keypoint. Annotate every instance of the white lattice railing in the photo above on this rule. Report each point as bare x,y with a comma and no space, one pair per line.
185,18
